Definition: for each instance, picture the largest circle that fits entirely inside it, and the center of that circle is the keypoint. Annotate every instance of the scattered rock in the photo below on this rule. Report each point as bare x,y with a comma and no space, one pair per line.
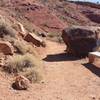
42,34
80,40
95,17
6,48
21,83
22,29
34,39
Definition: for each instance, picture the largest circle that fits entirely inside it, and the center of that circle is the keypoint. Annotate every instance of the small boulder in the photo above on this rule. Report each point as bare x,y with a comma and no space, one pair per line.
22,29
42,34
6,48
34,39
21,83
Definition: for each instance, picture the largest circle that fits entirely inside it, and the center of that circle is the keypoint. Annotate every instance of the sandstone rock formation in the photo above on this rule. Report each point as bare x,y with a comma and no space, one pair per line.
34,39
80,39
22,29
6,48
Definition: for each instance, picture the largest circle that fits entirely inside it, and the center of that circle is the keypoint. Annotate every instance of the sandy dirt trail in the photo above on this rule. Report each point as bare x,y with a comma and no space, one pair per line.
66,78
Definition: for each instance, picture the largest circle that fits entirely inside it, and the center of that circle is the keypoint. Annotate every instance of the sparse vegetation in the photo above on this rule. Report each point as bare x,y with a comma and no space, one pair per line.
55,37
23,47
28,65
27,24
18,63
33,76
5,28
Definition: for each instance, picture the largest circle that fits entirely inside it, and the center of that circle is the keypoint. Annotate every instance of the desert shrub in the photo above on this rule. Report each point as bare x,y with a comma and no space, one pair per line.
27,24
27,65
21,47
33,76
55,37
17,63
24,47
6,28
9,39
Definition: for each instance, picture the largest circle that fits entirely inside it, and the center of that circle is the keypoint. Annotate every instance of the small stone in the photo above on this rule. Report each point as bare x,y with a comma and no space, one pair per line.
21,83
34,39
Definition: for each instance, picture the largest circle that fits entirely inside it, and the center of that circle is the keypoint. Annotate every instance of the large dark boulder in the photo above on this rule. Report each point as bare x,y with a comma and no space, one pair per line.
80,40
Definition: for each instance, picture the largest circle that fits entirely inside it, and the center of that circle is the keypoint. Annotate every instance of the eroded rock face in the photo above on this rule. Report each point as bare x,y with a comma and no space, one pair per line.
21,83
34,39
80,40
6,48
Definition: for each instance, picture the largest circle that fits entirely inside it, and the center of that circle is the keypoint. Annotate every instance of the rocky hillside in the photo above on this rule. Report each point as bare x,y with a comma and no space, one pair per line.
50,16
18,53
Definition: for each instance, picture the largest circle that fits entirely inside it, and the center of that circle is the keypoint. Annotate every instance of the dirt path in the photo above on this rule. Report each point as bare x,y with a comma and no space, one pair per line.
65,79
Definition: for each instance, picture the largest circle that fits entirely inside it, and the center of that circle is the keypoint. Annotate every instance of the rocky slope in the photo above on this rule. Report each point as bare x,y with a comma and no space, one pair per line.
49,15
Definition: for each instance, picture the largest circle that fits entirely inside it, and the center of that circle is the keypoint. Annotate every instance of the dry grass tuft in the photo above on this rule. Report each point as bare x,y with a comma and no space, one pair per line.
28,65
25,60
17,63
24,47
34,76
54,37
6,28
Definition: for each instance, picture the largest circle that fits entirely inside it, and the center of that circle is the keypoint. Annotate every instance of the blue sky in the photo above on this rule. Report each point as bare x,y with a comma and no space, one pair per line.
93,0
88,0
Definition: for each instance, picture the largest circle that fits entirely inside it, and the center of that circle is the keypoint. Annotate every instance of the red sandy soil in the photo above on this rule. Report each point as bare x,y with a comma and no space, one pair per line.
65,79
